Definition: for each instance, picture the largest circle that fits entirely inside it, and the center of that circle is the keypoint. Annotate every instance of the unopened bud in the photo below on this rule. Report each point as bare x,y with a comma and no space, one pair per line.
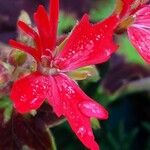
24,16
5,76
17,58
3,79
33,112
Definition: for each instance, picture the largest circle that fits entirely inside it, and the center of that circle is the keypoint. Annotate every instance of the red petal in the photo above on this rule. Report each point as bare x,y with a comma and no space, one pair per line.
132,6
93,109
54,14
140,38
24,27
29,92
88,44
42,22
47,27
54,98
32,51
126,7
72,98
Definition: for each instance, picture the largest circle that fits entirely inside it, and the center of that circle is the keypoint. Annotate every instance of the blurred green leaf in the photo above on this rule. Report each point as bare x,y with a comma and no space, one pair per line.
146,125
119,138
112,141
7,113
6,105
66,23
4,102
126,49
102,9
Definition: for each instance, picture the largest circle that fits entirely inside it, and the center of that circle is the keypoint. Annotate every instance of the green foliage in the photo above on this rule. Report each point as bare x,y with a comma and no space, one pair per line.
66,22
6,106
118,138
126,49
146,125
102,9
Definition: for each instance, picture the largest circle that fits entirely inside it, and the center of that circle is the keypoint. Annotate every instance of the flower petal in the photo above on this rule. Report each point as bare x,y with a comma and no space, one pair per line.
142,18
28,30
126,7
29,92
54,98
32,51
88,44
42,21
140,38
54,14
72,98
47,26
139,32
93,109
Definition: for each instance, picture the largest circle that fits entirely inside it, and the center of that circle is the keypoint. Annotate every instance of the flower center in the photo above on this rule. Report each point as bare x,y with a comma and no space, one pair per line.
47,67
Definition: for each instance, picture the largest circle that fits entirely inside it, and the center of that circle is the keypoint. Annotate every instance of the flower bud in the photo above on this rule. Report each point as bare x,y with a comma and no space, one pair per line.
5,76
17,57
3,80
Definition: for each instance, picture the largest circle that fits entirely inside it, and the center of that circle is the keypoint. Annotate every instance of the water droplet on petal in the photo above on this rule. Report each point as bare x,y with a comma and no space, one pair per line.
92,109
107,52
64,106
89,45
23,98
81,131
106,26
90,133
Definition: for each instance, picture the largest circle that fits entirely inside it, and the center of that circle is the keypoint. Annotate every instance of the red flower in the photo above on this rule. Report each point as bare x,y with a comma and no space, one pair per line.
126,7
137,17
86,45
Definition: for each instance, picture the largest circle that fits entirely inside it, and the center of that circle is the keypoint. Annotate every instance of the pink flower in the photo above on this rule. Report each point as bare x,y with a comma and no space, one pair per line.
137,17
139,32
87,44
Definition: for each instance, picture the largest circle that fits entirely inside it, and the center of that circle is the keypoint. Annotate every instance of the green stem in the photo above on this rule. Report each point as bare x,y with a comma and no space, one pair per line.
132,87
138,86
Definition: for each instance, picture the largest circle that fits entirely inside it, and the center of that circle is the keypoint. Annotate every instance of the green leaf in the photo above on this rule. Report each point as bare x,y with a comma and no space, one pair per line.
126,49
118,138
66,23
146,126
102,9
4,102
6,106
7,113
